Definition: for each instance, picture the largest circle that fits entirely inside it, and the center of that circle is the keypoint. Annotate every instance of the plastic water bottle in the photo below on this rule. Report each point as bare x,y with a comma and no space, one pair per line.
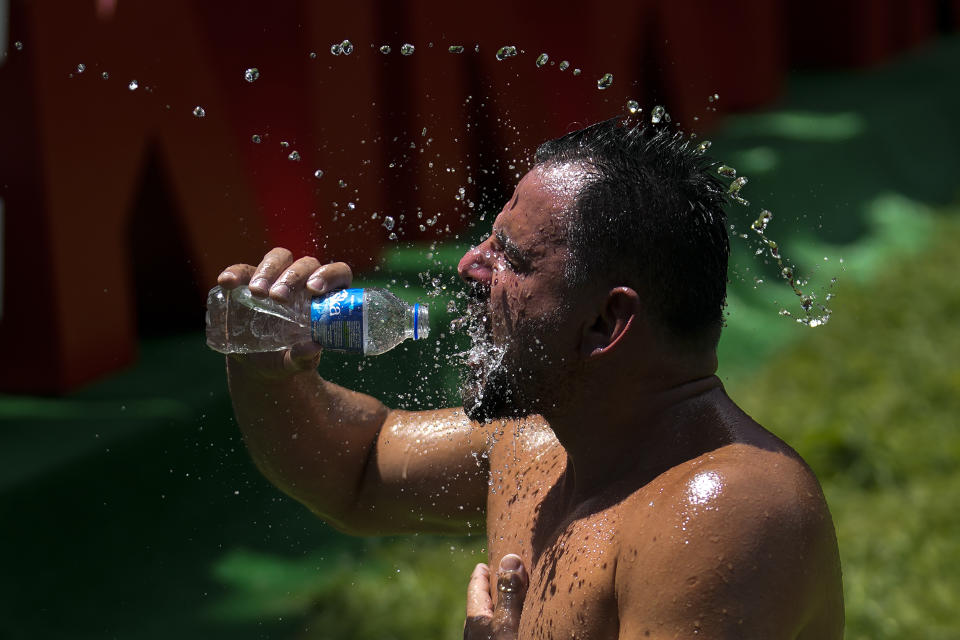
367,321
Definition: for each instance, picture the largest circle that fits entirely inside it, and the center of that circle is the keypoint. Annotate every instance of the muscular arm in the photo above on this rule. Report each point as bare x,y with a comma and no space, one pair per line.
364,468
361,466
740,549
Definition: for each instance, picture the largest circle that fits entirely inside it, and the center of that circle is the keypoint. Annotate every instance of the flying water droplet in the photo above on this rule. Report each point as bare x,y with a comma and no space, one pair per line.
456,48
251,74
133,84
105,75
506,51
318,173
407,50
256,139
199,112
294,156
760,224
703,146
388,222
658,114
727,172
564,65
576,72
336,49
81,68
385,49
633,106
346,47
342,184
393,236
605,81
734,190
542,59
313,55
18,45
713,98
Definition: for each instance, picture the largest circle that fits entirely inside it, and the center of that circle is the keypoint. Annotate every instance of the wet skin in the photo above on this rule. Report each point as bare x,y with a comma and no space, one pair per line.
642,501
690,520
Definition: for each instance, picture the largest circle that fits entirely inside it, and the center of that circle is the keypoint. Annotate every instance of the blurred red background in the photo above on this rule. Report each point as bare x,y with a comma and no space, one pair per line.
120,206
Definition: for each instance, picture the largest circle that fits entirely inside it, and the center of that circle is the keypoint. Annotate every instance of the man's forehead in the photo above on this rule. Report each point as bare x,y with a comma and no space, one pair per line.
546,192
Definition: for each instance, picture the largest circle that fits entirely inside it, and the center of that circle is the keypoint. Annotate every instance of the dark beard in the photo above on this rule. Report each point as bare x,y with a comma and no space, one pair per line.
486,385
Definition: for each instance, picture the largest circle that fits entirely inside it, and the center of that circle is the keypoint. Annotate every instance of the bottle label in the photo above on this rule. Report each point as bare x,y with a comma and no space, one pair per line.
336,321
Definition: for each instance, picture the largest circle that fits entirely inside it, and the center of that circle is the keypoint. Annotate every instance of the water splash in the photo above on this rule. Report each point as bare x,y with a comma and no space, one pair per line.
605,81
703,147
251,74
199,112
407,50
734,190
727,172
633,107
814,314
658,114
542,60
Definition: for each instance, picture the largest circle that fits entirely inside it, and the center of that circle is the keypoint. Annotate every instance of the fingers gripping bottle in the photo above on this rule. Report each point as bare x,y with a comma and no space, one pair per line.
367,321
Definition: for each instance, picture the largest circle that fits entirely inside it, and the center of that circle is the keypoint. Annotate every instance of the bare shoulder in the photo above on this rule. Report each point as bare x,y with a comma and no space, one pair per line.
737,542
517,443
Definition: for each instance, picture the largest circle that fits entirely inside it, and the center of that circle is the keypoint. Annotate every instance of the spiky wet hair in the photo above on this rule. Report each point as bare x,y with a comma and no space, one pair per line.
649,215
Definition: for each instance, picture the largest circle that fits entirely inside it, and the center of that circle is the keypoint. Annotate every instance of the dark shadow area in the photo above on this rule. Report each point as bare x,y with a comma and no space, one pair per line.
167,293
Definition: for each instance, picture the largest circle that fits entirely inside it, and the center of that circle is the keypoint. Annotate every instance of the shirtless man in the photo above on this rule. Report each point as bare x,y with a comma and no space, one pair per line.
595,441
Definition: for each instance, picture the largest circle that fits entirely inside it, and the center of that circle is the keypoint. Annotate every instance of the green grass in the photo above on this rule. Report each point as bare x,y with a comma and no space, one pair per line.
872,402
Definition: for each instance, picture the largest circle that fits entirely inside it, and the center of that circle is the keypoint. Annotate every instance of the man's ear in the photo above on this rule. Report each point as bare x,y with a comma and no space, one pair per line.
612,323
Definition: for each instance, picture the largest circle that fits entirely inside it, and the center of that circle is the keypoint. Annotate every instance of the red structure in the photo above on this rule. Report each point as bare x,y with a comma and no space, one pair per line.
108,191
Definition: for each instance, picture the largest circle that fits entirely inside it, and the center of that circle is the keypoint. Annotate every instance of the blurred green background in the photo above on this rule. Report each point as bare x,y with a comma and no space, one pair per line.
130,508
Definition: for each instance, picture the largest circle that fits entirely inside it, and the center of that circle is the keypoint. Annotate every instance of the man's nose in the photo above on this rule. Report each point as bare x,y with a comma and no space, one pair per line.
475,266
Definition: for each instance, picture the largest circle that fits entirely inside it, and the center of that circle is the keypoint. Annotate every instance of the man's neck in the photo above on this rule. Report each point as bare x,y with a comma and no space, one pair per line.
634,434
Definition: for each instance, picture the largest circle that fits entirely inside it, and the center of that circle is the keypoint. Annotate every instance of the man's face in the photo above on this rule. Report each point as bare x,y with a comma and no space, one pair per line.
524,336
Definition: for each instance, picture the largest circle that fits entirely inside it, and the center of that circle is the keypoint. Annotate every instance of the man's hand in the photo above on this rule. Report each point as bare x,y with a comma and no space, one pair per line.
486,622
282,279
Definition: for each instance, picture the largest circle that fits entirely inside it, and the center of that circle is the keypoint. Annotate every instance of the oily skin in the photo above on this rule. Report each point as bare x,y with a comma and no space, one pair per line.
642,502
697,521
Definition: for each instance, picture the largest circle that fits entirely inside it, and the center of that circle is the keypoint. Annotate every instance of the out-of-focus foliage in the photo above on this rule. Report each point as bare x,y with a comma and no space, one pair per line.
393,589
872,402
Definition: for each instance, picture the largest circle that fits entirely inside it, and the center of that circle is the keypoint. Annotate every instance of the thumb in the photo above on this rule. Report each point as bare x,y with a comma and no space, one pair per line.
512,581
302,357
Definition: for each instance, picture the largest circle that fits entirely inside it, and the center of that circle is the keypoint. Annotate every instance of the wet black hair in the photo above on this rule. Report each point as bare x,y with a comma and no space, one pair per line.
649,215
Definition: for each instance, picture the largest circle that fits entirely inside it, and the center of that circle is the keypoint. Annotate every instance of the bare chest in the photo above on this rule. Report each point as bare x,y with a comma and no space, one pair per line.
570,563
